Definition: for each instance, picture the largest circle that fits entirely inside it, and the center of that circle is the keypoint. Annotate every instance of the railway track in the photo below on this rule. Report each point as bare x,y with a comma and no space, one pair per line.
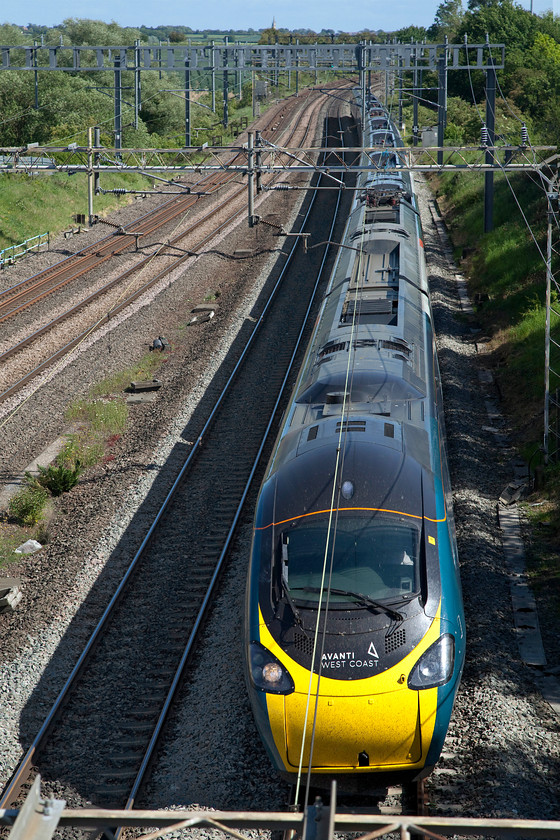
99,738
33,289
469,781
389,797
31,354
347,796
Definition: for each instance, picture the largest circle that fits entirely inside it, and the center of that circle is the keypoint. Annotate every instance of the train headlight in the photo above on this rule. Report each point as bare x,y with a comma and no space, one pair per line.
435,666
267,673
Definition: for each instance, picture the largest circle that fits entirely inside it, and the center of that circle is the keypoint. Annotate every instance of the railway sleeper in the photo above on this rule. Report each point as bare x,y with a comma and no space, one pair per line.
177,633
131,743
178,640
205,564
164,673
108,790
158,695
129,755
390,810
208,556
123,773
136,726
150,710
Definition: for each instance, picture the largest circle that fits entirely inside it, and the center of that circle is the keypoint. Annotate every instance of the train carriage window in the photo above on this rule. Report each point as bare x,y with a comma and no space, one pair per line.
376,556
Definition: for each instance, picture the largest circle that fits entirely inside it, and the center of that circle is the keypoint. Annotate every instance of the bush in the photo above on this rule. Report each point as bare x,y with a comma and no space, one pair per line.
59,478
28,505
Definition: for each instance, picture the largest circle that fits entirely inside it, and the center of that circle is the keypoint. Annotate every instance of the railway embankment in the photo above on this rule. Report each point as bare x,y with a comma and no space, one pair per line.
501,756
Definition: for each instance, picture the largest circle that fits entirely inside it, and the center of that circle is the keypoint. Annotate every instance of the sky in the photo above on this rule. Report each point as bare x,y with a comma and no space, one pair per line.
344,15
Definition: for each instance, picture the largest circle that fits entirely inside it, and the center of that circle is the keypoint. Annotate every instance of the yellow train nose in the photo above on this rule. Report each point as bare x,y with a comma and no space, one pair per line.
383,730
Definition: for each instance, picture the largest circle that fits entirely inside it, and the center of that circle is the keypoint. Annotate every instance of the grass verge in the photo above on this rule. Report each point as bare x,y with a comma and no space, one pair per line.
41,203
100,419
507,280
46,202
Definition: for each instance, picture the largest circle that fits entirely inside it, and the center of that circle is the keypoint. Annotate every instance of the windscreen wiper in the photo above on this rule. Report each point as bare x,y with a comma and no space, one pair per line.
290,600
361,599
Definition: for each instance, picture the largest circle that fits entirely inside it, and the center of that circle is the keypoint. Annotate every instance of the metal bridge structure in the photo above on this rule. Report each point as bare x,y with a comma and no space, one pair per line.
272,60
39,818
346,58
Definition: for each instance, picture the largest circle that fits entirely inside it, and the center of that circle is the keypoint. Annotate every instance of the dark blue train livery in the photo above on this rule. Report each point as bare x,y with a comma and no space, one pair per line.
355,636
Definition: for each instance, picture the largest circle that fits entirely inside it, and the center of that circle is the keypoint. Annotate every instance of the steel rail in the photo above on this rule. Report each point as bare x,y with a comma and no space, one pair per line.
108,286
22,772
95,255
219,565
114,311
21,296
147,224
144,226
84,252
130,299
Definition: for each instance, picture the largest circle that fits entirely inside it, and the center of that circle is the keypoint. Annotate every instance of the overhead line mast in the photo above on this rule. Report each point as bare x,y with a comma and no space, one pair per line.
362,58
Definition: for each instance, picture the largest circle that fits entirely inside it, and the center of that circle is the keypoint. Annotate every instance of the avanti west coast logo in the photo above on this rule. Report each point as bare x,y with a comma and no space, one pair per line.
348,659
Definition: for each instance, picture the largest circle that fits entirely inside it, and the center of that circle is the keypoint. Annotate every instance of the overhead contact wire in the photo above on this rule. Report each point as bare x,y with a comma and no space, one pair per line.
337,488
329,547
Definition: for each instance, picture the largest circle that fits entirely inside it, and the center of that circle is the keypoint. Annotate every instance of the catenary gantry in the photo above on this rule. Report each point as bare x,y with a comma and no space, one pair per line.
238,56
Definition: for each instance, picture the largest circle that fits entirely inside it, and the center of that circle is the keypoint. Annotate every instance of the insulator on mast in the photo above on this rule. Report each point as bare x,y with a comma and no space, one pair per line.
484,135
524,135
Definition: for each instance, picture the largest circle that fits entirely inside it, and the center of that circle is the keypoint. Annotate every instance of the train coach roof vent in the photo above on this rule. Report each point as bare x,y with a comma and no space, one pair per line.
312,433
392,230
398,344
351,426
379,306
399,231
331,347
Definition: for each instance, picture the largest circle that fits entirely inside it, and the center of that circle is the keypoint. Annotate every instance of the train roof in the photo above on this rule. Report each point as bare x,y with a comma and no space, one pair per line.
385,478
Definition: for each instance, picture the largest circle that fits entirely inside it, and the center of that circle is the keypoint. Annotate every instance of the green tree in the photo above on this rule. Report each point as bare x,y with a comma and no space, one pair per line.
163,112
13,35
82,31
475,5
448,19
410,34
67,105
503,21
363,35
269,36
549,24
536,86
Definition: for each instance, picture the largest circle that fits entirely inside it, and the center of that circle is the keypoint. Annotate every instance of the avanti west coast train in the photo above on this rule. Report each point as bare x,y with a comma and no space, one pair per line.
355,634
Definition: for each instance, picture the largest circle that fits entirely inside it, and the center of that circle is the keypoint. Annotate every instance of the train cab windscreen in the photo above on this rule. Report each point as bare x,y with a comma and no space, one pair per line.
377,557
